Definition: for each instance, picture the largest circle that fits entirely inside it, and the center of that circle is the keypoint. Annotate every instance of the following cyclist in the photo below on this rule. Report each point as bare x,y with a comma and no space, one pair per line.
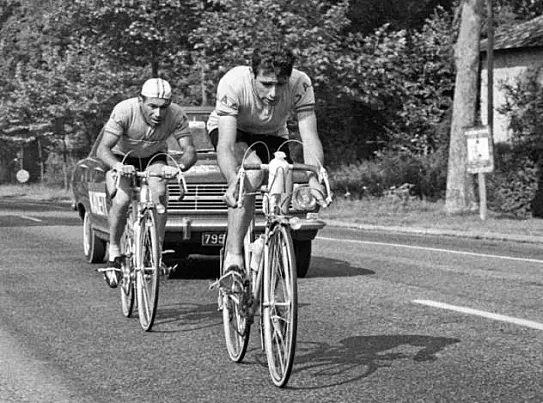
134,136
253,104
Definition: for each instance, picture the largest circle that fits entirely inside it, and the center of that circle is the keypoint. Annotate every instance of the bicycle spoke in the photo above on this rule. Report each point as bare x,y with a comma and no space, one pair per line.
280,313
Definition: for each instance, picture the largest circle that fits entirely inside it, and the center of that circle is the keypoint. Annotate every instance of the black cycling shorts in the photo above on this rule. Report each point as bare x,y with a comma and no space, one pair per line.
273,143
141,163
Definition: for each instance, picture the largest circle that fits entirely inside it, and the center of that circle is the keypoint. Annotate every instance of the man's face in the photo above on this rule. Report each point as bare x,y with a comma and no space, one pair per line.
270,87
154,109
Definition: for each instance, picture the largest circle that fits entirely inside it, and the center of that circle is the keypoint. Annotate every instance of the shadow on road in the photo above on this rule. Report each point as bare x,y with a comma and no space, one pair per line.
197,267
185,317
358,357
325,267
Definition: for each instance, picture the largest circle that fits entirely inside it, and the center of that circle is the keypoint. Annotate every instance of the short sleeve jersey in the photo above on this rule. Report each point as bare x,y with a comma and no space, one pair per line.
140,138
236,96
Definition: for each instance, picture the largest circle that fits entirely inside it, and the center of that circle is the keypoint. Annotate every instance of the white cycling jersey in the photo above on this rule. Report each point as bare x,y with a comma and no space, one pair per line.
236,96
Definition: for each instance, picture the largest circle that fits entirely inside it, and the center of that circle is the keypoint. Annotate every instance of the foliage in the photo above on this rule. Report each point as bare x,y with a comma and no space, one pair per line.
427,81
390,171
512,187
514,184
382,89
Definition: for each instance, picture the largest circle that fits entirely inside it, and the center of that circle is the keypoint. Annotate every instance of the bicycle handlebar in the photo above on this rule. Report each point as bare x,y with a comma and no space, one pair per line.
321,173
147,174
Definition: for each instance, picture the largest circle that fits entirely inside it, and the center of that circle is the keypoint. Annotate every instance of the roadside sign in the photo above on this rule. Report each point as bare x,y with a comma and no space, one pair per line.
22,176
479,147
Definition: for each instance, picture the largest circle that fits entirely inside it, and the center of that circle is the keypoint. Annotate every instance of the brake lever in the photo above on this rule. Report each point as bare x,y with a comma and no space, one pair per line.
117,182
181,180
323,177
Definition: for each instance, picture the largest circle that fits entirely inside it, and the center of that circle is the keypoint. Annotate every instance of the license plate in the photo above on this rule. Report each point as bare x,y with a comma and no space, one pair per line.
213,239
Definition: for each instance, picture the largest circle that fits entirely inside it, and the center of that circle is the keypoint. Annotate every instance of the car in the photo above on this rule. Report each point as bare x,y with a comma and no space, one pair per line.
197,224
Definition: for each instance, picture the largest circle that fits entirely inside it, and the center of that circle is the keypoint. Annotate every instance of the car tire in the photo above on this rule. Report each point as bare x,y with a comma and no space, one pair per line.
302,250
93,247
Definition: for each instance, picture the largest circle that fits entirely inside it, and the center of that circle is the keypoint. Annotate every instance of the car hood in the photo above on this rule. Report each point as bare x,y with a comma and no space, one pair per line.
205,169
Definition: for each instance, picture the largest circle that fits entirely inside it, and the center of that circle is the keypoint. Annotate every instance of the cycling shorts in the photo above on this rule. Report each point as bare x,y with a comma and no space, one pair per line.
273,143
141,163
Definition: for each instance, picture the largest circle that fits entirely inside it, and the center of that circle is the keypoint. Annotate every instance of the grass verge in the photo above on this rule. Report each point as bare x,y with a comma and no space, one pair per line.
427,215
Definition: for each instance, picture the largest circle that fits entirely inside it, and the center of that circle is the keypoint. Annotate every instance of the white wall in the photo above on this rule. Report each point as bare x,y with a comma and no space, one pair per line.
509,66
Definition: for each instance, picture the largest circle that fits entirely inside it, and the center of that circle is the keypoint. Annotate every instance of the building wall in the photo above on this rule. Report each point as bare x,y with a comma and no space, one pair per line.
510,65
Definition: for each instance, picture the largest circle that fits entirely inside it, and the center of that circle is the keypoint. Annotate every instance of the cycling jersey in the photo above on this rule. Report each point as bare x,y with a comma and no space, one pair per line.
140,138
236,96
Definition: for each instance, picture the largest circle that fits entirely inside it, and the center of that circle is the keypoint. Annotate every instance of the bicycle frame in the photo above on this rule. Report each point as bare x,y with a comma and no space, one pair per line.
271,285
142,264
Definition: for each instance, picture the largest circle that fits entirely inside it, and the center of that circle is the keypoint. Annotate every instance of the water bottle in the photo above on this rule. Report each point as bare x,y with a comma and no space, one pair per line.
257,247
279,182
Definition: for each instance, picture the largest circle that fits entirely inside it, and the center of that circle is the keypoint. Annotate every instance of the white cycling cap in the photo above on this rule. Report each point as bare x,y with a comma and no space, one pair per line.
156,88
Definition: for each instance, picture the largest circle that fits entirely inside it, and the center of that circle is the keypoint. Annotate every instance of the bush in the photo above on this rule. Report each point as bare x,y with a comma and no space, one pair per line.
512,186
426,175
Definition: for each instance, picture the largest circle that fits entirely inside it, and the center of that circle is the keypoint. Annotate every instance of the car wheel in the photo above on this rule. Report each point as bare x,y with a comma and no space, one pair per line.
93,246
302,250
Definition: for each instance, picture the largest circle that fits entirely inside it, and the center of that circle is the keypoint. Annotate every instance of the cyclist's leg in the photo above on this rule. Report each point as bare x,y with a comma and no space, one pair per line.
117,222
239,218
159,190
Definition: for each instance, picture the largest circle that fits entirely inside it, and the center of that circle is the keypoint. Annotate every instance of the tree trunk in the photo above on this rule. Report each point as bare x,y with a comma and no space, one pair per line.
460,196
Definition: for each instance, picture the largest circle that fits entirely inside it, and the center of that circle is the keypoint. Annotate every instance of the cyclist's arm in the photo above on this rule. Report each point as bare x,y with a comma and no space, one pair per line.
188,158
226,148
307,124
104,152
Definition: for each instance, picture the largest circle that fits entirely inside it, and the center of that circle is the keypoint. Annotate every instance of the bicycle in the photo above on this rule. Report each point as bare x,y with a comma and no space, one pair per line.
141,250
268,285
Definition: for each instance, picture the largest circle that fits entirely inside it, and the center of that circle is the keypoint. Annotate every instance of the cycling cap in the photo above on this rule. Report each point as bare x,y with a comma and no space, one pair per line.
156,88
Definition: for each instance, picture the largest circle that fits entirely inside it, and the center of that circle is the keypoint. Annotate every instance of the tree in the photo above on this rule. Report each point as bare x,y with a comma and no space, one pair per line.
460,194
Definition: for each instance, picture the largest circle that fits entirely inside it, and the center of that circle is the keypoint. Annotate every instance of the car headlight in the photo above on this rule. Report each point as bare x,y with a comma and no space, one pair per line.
303,199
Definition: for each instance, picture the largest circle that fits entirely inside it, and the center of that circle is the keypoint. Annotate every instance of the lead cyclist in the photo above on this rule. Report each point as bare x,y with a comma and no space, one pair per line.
253,105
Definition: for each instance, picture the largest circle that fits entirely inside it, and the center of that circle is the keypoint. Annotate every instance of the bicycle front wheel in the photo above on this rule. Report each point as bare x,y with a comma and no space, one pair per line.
127,283
147,270
280,304
236,319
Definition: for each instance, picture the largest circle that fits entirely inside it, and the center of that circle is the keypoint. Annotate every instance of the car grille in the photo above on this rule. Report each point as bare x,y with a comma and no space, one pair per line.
204,197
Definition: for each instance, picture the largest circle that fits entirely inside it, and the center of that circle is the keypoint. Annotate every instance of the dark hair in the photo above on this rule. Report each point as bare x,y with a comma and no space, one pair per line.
273,57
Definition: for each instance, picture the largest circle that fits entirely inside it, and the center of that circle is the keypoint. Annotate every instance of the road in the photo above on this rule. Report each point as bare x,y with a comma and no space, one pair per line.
383,318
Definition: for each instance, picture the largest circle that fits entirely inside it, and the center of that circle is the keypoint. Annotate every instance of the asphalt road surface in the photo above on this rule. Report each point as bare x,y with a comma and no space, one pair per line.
383,318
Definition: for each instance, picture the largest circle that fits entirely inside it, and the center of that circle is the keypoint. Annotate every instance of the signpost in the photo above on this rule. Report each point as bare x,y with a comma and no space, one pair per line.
480,159
22,175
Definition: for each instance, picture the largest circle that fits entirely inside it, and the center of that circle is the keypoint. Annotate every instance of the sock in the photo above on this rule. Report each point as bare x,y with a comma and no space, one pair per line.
233,259
114,251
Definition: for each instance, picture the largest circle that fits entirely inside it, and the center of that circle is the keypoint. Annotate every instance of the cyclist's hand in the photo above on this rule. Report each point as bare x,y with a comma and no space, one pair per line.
317,190
124,170
169,172
231,195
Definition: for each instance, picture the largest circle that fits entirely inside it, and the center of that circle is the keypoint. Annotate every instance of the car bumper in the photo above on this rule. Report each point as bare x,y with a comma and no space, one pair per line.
186,227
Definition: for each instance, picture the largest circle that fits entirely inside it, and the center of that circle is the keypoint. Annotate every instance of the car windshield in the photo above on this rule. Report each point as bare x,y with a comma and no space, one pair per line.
201,139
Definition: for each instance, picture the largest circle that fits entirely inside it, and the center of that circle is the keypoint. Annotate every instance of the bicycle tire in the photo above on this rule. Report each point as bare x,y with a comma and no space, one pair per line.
127,279
237,327
280,304
147,270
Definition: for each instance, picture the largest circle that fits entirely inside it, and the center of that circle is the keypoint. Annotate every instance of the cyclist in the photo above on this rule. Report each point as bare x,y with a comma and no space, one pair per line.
138,129
253,104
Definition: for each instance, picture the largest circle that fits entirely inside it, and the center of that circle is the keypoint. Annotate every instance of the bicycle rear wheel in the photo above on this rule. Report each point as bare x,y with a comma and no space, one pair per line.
127,281
280,305
147,270
235,315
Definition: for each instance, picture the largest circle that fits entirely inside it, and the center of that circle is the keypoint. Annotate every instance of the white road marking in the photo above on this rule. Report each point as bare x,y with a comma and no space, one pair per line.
30,218
520,259
484,314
